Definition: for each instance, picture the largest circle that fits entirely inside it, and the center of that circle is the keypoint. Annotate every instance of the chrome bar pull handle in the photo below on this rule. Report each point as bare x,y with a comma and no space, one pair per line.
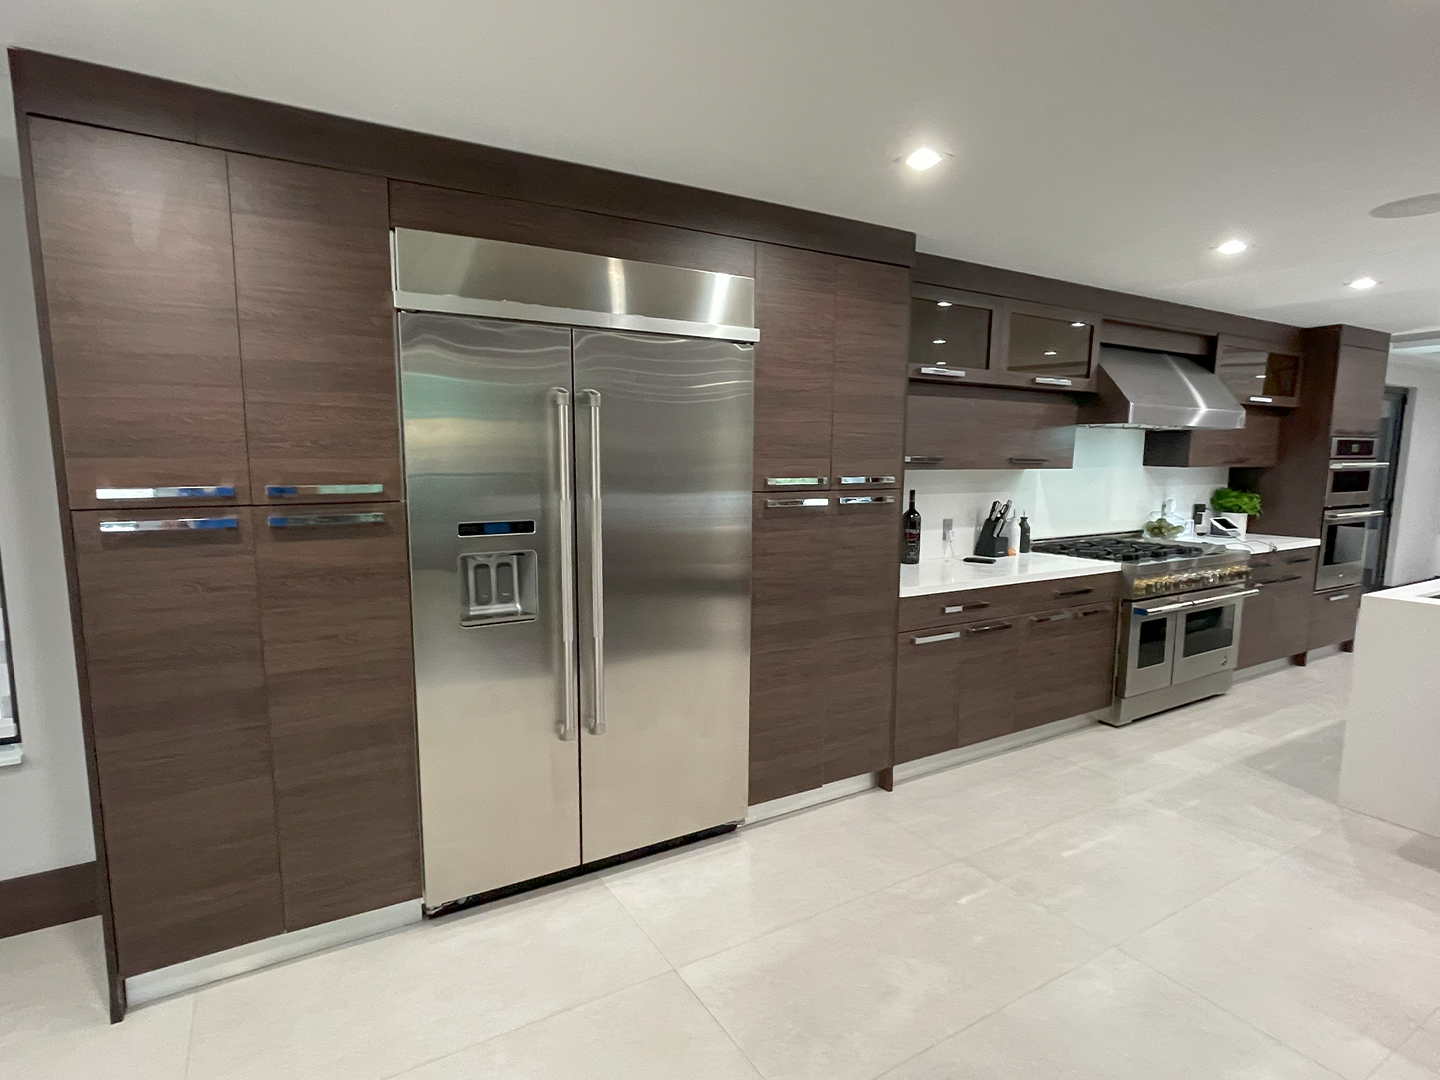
949,373
318,521
170,525
867,479
280,491
779,504
796,481
569,726
922,459
866,500
190,491
1051,380
930,639
595,723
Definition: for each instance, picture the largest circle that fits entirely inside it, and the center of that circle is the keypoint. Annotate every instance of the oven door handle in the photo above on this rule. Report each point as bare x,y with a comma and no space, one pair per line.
1347,466
1165,609
1332,516
1192,605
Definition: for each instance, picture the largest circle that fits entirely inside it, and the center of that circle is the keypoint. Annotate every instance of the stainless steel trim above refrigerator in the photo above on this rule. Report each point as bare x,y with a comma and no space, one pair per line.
276,491
170,524
195,491
466,275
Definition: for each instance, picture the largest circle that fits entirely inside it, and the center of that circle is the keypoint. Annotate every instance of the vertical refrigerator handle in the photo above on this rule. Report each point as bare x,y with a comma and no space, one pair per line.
568,727
596,721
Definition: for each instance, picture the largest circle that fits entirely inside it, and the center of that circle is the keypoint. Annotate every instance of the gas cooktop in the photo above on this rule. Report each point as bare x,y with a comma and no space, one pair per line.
1157,567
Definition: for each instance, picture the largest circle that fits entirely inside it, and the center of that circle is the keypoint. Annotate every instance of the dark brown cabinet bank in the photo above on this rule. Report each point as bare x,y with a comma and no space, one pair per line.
1276,623
960,428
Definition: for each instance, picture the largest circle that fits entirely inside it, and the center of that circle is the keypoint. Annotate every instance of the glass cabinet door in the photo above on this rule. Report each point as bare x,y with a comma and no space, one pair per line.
949,333
1258,375
1040,345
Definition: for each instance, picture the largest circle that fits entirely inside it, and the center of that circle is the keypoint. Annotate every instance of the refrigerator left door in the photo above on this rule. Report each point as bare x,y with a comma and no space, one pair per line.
488,466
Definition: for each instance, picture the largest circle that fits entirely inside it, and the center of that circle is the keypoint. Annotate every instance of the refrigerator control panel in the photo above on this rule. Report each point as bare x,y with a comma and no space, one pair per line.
498,587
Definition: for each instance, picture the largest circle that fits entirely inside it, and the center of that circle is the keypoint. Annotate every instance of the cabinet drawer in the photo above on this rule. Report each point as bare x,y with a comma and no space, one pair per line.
1270,566
1069,592
1332,616
948,609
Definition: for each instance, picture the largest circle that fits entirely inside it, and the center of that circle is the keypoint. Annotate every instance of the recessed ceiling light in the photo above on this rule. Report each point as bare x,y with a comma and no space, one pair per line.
1231,247
1362,283
1050,352
1077,324
1415,206
938,341
942,303
923,159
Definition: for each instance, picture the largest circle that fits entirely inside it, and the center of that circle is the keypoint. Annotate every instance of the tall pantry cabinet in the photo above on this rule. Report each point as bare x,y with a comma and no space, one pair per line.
221,371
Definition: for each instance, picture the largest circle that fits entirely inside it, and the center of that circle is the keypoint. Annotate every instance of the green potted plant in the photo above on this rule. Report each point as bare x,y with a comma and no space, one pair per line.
1235,506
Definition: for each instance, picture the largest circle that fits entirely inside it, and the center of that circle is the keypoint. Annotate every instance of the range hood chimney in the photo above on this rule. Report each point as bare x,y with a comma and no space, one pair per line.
1137,388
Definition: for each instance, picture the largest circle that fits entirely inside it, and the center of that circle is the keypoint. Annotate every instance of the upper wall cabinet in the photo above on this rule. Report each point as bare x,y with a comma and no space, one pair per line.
317,346
973,339
829,370
139,282
959,428
1257,374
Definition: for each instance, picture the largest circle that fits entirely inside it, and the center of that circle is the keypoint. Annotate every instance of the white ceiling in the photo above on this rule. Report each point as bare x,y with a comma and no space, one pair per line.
1111,142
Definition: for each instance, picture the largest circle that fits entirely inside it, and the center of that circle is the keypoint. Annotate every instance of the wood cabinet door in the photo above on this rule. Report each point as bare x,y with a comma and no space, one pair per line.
1067,664
335,623
957,428
862,596
927,692
987,683
317,338
139,283
789,643
1332,616
1256,445
872,312
171,628
794,367
1359,391
1276,623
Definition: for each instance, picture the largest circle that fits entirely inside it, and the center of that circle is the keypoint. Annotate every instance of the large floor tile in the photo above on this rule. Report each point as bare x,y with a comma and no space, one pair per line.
654,1031
1339,966
1113,1019
150,1045
1417,1059
858,989
379,1007
1382,852
698,901
1121,868
52,981
978,805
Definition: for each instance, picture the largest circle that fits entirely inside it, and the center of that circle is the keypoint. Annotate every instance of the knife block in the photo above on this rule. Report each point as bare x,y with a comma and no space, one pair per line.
991,546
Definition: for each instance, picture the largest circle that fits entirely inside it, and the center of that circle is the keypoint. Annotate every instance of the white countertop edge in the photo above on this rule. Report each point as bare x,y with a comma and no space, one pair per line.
1421,592
1280,543
930,577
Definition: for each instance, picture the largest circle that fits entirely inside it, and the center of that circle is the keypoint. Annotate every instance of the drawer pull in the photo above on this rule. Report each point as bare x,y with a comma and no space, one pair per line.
1057,617
796,481
1050,380
955,609
949,373
1342,596
1261,400
1280,580
989,627
316,521
922,459
193,491
866,500
932,638
867,479
1299,559
776,504
170,525
282,490
1091,611
1028,460
1063,593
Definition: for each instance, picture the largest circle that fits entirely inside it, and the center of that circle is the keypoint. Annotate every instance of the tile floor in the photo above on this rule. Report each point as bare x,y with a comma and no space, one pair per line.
1181,899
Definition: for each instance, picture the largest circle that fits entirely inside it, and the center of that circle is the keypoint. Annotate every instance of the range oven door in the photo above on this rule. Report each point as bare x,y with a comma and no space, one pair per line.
1208,633
1173,640
1347,538
1355,483
1150,635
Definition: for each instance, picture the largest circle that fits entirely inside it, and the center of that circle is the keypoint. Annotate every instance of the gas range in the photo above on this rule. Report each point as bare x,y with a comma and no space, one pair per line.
1157,567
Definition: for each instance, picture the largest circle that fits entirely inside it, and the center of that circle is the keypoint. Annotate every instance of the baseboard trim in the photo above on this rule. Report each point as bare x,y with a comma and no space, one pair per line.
58,896
948,759
803,800
190,974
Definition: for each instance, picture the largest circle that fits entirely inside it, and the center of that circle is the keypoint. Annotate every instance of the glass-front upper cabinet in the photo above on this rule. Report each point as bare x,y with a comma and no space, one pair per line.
961,337
1257,374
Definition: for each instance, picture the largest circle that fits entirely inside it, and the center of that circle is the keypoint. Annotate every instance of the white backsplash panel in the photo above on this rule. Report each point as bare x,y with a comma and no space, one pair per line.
1107,490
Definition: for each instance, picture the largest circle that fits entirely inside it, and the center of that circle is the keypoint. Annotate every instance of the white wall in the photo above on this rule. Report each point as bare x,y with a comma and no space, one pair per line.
1107,490
44,801
1415,532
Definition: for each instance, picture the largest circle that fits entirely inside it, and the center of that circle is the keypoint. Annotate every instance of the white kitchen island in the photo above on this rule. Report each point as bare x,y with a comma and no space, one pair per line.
1391,763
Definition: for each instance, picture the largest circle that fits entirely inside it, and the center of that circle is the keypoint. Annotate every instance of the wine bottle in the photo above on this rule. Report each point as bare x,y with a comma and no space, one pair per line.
912,533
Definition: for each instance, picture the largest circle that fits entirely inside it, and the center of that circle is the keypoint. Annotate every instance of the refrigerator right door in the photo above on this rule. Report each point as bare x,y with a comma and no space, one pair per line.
489,484
662,466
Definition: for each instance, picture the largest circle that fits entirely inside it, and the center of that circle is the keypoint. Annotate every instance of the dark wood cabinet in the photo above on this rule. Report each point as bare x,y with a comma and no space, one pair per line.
339,673
1258,374
976,339
868,410
988,685
1276,623
171,625
959,428
1068,664
139,287
317,338
823,608
1359,391
1256,445
1332,617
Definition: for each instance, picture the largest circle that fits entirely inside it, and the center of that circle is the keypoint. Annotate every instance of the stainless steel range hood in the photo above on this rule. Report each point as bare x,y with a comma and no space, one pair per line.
1137,388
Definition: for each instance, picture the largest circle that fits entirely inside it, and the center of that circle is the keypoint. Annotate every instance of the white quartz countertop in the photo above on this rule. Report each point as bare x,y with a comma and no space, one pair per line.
954,575
1260,543
1422,592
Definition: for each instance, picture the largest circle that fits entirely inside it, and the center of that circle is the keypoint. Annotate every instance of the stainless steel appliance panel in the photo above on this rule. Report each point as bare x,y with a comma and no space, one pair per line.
665,703
1149,659
1355,483
487,442
1208,636
1347,541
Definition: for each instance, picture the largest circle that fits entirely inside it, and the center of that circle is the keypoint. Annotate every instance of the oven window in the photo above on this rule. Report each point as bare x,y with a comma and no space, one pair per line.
1209,630
1350,481
1152,643
1345,544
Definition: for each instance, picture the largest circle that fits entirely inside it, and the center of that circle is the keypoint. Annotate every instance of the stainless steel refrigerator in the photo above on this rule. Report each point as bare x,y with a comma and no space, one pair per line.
579,517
